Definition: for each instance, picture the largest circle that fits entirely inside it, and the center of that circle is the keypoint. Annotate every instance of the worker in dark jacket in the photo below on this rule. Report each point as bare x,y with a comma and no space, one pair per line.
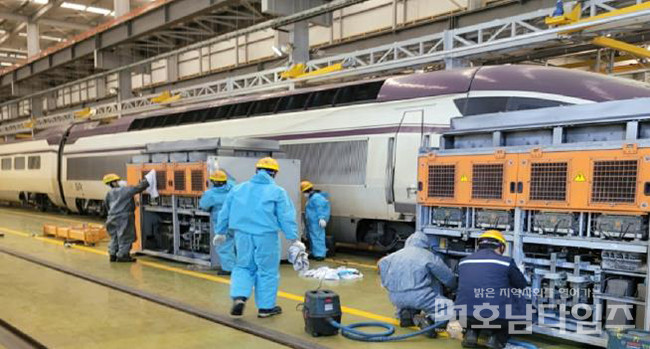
489,278
120,222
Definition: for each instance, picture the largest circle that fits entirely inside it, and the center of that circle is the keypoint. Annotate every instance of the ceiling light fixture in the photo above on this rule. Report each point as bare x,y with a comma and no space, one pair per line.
92,9
43,37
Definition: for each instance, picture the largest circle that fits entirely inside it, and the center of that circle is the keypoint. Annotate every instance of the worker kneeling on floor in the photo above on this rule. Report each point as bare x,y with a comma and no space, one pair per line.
256,211
212,201
486,281
120,222
317,214
414,277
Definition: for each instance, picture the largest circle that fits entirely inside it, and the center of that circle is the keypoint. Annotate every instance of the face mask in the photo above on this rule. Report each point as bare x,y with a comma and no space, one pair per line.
122,184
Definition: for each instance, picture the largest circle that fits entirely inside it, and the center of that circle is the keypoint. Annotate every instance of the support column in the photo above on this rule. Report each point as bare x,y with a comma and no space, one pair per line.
172,68
51,101
36,106
300,41
13,110
100,87
450,61
121,7
33,39
124,89
475,4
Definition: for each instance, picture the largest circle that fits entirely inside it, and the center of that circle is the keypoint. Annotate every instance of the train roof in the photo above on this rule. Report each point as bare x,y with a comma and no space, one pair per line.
560,81
542,79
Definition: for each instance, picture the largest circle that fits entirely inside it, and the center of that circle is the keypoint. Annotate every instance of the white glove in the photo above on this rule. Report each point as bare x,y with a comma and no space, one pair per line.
298,245
122,184
322,223
297,256
218,239
150,176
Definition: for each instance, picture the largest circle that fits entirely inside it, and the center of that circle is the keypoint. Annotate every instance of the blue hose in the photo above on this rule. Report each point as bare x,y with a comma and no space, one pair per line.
351,332
522,344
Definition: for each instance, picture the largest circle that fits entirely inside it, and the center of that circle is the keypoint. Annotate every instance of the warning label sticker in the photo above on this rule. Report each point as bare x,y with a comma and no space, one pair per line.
464,178
580,178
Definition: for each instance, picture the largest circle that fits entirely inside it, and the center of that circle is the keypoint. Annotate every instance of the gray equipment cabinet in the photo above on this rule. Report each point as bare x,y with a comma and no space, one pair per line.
172,225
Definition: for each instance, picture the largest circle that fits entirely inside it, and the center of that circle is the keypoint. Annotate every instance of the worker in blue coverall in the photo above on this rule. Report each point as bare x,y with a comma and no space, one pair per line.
212,201
317,214
414,277
487,278
256,211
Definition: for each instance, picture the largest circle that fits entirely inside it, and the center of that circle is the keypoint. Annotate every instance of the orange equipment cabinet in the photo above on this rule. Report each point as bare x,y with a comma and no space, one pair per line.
179,179
614,180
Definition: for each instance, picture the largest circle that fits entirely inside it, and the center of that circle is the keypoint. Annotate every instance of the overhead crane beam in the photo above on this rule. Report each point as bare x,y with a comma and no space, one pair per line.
606,42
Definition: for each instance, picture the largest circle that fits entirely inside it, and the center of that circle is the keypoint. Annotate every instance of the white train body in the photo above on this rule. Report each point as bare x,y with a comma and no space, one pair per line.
364,155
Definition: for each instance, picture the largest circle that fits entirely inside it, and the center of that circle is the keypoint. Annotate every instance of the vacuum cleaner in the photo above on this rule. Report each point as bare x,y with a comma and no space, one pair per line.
322,314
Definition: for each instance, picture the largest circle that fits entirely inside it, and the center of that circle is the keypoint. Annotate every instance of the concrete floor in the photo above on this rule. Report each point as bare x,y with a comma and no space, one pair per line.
64,312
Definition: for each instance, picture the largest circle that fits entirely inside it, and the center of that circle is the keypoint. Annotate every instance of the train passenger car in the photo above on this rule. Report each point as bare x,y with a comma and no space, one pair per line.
357,141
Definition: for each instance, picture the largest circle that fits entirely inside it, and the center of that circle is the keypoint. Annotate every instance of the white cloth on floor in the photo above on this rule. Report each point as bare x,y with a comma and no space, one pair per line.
340,273
153,186
297,255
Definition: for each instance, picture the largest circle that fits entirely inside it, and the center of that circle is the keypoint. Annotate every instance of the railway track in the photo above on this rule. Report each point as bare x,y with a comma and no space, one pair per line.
12,337
220,319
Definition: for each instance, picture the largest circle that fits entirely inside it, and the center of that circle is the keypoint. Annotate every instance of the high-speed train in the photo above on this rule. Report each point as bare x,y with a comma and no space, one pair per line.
357,141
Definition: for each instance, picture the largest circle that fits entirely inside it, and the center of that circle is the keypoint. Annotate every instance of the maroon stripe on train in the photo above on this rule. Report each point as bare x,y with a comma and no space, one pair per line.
359,132
103,150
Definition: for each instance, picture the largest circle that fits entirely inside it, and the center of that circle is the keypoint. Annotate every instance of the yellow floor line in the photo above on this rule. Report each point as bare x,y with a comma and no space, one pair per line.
281,294
34,215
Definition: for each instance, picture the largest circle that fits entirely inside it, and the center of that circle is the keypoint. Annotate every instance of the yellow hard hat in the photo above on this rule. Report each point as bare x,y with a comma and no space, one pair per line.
111,177
493,234
269,164
306,185
219,176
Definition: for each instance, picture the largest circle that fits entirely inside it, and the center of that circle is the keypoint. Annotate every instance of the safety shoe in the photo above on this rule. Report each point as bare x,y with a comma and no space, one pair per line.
264,313
223,272
406,317
423,321
125,259
237,309
317,259
112,258
470,340
493,342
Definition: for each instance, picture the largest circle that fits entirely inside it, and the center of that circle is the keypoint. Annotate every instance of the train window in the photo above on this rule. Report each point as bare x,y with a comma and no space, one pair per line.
189,117
487,105
34,163
359,93
19,163
6,164
525,103
211,114
241,109
136,125
481,105
291,103
266,106
323,98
